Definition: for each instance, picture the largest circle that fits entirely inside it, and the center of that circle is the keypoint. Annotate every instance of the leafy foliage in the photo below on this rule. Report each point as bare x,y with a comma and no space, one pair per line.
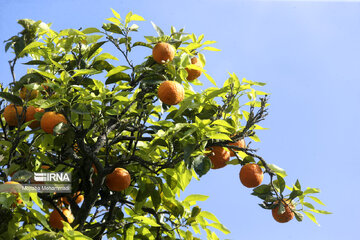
119,122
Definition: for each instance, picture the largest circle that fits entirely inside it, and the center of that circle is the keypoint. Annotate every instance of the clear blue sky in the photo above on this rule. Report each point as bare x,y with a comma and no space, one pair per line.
308,53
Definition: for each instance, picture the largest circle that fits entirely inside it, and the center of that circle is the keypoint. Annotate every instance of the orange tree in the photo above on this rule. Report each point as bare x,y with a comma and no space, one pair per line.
132,147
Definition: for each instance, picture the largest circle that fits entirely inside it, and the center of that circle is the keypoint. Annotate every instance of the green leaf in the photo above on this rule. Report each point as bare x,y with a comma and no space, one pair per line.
35,62
90,30
309,205
46,74
130,232
220,136
195,197
211,49
80,109
220,227
33,234
195,211
60,128
311,190
295,193
85,72
94,48
262,189
116,70
31,46
118,77
146,221
210,78
40,217
223,123
209,216
135,17
36,199
50,103
281,183
312,217
297,184
142,44
158,29
255,138
317,200
201,165
116,14
277,170
110,27
299,217
320,211
11,98
104,56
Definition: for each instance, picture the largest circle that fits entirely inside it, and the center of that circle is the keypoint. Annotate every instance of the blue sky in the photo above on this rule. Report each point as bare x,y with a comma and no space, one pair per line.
307,52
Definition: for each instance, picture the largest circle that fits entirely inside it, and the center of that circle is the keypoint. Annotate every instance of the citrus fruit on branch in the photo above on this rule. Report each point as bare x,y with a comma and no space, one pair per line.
287,215
163,52
194,73
11,114
218,156
30,115
118,180
251,175
241,143
50,119
171,92
55,218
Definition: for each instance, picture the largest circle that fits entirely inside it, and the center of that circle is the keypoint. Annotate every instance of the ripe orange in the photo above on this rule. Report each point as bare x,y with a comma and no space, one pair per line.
55,218
46,167
218,156
11,114
251,175
30,115
193,73
171,92
163,52
28,94
118,180
50,119
287,215
76,196
241,143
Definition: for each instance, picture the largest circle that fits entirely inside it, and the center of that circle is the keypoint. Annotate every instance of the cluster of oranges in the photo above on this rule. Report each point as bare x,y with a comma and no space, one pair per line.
172,92
13,113
250,176
117,181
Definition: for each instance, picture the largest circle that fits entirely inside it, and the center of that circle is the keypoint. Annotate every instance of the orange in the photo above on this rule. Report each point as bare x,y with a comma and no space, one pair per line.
30,115
55,218
28,94
218,156
193,73
76,196
287,215
46,167
241,143
163,52
251,175
50,119
118,180
11,114
171,92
